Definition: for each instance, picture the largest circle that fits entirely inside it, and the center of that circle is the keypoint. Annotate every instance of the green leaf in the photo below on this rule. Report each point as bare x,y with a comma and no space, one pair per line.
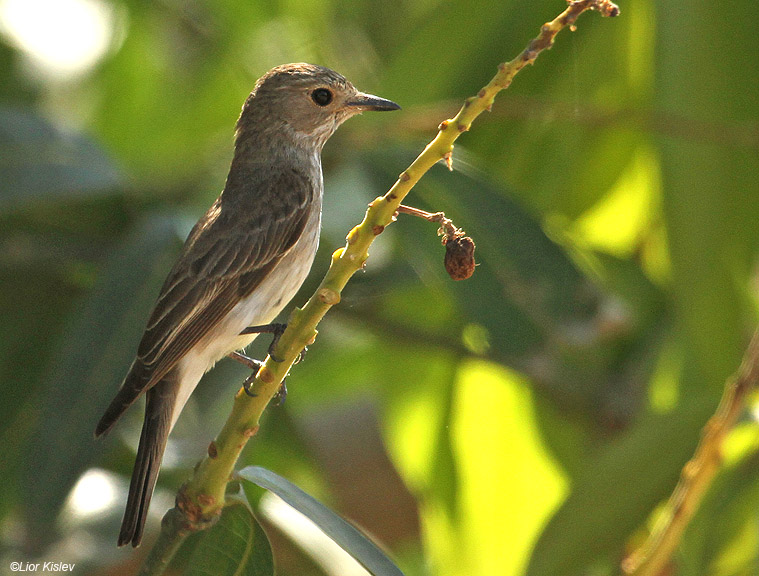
236,545
345,535
41,162
710,207
30,308
616,490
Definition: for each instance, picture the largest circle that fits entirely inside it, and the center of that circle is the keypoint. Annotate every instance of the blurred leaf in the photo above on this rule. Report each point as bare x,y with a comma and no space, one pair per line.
11,86
710,206
458,32
93,356
166,124
509,481
31,301
616,489
40,161
235,546
345,535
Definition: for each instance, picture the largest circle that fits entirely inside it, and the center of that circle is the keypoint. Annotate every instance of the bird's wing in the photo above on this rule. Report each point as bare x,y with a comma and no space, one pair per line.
222,263
230,250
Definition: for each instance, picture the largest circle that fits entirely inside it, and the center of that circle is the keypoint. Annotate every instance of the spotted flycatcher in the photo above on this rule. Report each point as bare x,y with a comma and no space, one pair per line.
242,262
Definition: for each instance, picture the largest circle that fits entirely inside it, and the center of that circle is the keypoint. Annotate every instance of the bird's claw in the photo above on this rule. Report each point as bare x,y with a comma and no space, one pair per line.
256,365
275,329
247,385
281,395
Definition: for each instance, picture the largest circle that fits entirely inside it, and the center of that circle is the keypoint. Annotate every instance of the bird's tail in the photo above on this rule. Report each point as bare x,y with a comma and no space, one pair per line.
134,385
159,407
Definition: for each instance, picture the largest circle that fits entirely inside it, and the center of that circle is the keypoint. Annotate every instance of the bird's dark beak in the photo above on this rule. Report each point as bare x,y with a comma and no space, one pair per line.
361,102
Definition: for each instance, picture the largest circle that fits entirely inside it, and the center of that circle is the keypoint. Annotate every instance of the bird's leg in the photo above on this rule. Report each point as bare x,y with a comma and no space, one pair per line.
276,329
255,365
251,363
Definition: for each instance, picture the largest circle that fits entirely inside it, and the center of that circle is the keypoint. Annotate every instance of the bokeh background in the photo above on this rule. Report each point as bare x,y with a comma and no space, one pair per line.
530,420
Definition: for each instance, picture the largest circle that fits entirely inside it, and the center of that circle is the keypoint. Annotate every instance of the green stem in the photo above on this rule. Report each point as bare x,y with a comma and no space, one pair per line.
170,540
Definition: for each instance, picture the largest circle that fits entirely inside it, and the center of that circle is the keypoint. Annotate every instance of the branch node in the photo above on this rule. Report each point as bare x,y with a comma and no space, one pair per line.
329,296
606,8
352,236
206,501
337,254
265,375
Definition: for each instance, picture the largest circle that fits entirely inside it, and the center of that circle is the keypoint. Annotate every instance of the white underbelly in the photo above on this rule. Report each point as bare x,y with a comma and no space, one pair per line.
261,307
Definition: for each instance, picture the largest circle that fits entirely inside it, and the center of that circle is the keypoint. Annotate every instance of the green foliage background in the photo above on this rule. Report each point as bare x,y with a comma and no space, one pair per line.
527,421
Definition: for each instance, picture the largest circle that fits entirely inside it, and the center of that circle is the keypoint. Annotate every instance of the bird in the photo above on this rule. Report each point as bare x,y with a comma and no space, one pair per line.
242,262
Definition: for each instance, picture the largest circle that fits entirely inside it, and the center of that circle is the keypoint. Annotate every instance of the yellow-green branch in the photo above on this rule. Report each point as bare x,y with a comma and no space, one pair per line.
698,473
202,498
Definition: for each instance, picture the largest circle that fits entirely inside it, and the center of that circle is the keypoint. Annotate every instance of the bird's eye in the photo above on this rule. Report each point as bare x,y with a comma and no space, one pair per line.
321,96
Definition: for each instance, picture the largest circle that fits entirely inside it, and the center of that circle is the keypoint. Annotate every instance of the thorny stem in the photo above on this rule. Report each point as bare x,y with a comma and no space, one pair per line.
202,498
698,473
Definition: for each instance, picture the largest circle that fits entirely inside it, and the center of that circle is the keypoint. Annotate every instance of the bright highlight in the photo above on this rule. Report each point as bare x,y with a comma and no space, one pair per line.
61,38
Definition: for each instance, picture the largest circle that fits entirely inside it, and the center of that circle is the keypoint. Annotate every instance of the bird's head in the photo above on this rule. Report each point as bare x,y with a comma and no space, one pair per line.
306,101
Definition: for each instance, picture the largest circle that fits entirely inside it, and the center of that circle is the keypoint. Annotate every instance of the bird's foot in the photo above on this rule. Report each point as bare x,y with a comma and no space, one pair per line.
275,329
251,363
256,365
281,395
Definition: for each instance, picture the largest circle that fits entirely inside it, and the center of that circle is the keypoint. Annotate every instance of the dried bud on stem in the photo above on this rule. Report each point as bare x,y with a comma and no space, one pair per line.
459,257
459,248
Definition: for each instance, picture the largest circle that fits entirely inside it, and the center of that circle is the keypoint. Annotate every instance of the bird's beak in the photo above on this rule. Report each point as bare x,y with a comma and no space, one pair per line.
361,102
